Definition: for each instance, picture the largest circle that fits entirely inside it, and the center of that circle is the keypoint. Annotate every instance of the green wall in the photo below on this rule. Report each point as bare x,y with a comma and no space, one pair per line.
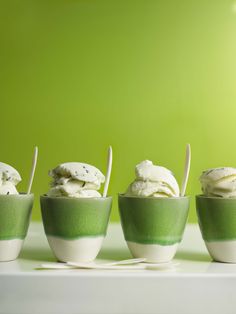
144,76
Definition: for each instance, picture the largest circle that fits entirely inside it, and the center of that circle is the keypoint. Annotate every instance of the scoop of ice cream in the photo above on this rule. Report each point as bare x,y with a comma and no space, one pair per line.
152,180
76,179
9,178
219,182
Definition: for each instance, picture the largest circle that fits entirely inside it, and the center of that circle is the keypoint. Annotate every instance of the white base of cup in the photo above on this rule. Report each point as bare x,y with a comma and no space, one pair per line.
84,249
10,249
222,251
154,253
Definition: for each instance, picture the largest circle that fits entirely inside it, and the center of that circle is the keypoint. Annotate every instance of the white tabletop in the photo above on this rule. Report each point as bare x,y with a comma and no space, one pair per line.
196,285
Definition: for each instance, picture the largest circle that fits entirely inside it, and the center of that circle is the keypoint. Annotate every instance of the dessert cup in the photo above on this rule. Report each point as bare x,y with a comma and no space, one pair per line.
75,227
15,212
153,227
217,221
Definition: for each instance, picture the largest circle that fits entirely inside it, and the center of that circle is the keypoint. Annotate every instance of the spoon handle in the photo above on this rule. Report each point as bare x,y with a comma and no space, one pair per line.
104,266
56,266
34,163
108,173
127,261
186,170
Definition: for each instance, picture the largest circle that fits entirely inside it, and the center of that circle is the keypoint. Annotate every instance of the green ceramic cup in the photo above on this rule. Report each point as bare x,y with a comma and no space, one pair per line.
15,212
153,227
75,227
217,221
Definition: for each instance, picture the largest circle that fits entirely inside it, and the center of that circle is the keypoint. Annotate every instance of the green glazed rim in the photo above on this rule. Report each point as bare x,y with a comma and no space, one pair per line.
216,218
152,220
15,212
224,199
74,218
153,198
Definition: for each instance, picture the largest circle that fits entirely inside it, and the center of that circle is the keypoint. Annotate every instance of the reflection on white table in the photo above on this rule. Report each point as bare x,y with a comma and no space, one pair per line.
195,285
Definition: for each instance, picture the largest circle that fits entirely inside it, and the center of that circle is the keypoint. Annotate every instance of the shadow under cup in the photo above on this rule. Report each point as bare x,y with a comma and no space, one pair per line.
75,227
217,221
15,212
153,227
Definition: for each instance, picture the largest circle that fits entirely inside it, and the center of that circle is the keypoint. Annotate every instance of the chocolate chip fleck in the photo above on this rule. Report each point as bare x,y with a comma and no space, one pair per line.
208,172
